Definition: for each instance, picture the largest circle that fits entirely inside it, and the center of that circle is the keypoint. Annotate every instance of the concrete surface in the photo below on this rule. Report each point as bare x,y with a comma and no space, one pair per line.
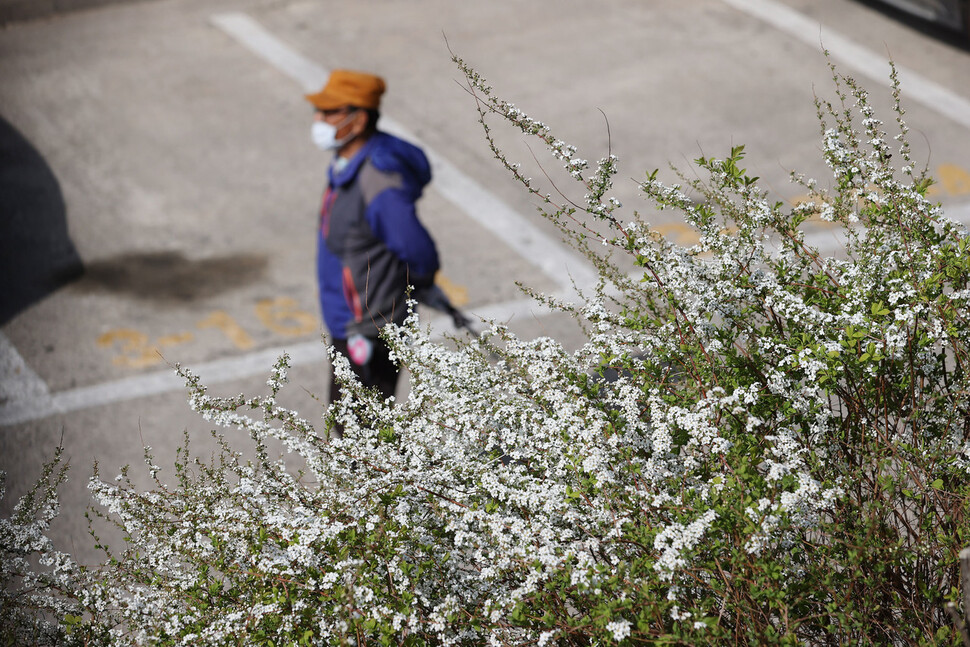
22,10
190,188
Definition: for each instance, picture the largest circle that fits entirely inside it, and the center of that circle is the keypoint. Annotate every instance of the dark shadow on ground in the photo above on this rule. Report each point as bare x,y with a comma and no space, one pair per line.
167,276
36,252
944,34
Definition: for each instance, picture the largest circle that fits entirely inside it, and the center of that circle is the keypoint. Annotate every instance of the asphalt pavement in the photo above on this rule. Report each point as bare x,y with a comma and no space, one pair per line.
164,146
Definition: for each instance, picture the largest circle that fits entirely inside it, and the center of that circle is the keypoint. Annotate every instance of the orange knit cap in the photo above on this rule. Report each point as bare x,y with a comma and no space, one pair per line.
349,88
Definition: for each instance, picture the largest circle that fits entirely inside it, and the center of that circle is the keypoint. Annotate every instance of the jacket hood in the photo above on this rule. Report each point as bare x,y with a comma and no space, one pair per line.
392,155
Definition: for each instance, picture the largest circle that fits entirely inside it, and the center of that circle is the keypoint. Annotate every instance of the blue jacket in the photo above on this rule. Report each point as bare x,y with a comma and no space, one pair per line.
371,245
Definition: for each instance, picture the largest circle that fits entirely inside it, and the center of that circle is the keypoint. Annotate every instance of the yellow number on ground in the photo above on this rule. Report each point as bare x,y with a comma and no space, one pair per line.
282,316
228,326
137,350
457,294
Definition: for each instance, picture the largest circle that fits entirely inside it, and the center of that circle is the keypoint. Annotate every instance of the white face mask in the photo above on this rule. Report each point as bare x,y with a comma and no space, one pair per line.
324,135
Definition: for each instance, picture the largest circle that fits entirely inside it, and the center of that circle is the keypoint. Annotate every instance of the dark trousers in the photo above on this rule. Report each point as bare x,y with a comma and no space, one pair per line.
379,371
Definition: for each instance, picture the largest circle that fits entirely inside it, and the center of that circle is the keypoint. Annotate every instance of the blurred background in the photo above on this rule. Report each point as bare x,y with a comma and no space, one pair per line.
159,190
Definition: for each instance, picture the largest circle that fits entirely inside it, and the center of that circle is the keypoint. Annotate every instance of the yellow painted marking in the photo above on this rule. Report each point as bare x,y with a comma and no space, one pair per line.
125,335
228,326
457,294
172,340
283,317
137,351
954,179
684,234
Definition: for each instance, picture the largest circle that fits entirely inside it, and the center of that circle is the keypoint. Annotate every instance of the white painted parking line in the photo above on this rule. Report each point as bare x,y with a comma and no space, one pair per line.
558,262
24,396
33,401
155,383
21,389
846,52
27,397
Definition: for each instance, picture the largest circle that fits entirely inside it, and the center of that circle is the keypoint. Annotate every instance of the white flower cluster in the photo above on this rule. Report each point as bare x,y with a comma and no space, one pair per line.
523,492
32,606
619,629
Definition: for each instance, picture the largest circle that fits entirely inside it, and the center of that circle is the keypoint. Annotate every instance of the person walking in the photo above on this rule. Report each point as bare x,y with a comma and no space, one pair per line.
371,245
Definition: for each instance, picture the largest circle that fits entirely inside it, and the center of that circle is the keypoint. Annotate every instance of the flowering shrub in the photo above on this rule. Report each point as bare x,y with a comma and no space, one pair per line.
756,444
